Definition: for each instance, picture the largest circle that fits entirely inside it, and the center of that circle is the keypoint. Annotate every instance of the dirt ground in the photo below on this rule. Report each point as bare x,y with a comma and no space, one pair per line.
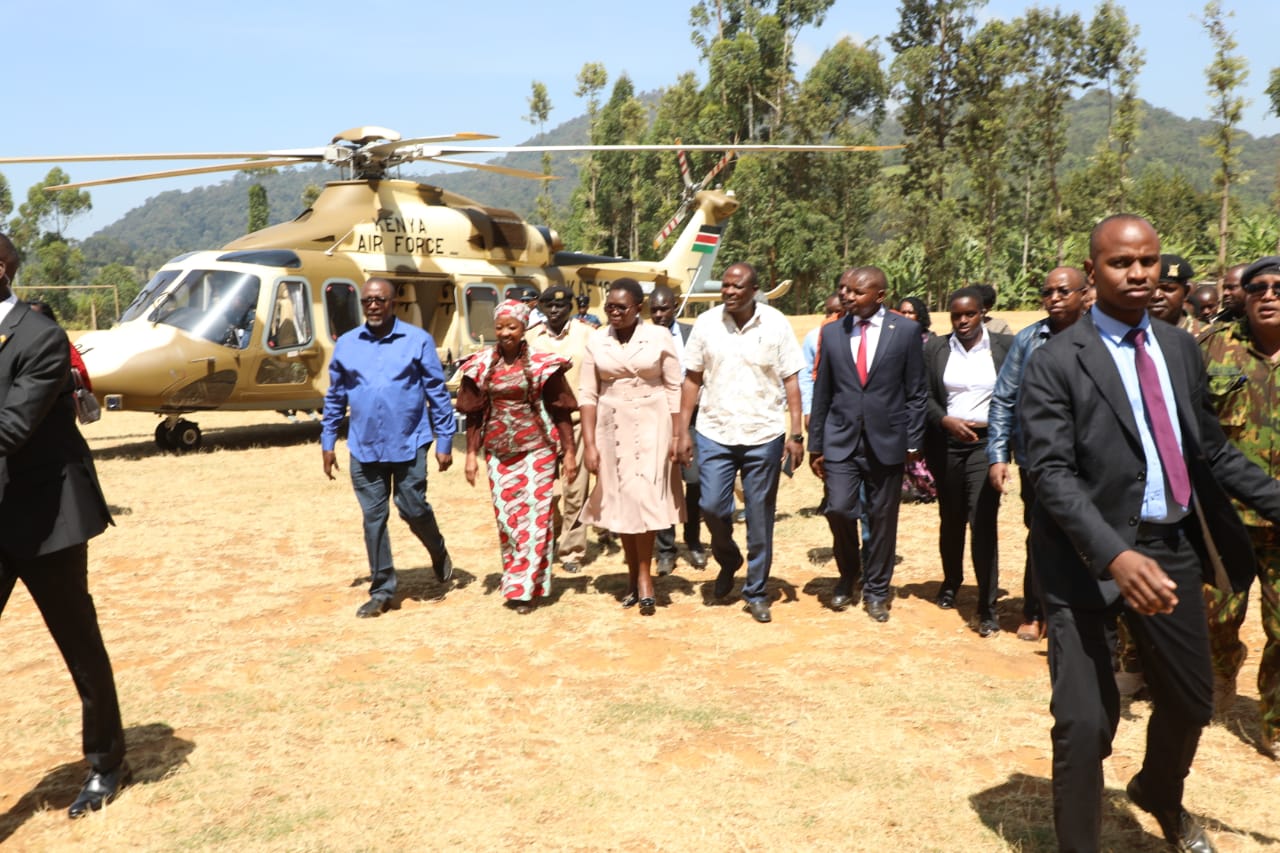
262,715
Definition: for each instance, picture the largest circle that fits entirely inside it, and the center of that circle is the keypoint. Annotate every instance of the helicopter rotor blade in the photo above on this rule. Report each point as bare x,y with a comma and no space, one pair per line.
174,173
671,225
761,149
394,146
501,170
718,168
300,153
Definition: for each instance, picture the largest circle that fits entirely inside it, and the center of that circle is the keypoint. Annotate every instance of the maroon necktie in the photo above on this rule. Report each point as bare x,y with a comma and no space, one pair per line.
1175,466
862,351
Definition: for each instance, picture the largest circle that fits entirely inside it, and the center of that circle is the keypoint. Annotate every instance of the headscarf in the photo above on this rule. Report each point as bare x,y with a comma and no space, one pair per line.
512,308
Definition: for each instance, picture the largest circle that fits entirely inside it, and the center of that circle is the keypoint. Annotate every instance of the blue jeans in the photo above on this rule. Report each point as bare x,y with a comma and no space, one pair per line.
760,466
374,482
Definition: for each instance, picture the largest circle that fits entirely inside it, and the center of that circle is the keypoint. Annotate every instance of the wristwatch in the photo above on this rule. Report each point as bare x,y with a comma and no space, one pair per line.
798,438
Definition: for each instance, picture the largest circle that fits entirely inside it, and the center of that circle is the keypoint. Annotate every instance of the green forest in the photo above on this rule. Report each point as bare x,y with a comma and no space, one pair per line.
1017,137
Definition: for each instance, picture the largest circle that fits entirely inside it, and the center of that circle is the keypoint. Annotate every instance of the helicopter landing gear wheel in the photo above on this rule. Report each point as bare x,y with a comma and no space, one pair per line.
185,436
182,436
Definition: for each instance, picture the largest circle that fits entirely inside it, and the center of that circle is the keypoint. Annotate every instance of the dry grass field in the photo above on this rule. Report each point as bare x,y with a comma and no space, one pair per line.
262,715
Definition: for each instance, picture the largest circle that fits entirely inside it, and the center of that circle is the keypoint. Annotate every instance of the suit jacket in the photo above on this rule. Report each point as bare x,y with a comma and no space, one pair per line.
889,409
937,352
1086,461
49,493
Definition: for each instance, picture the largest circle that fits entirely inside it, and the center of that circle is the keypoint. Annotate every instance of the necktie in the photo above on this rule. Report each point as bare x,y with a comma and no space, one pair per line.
1175,466
862,351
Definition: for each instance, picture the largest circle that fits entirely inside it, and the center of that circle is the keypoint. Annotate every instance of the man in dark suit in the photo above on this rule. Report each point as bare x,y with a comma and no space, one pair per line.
867,420
50,506
1129,467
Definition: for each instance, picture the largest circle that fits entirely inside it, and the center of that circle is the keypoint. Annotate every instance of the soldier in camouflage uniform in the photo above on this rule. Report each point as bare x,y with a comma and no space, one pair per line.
1243,362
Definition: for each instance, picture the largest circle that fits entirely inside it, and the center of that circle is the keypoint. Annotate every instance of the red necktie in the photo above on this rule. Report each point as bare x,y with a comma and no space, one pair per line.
1171,459
862,352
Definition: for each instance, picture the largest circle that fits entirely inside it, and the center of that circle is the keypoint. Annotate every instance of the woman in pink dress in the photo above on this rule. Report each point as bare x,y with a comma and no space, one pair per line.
519,410
629,391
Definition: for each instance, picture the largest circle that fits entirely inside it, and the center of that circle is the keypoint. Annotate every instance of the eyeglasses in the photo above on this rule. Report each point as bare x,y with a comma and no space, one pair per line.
617,308
1050,292
1256,288
374,300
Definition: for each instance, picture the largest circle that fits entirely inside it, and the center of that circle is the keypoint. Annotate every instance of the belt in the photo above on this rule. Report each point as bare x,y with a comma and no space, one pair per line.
1151,530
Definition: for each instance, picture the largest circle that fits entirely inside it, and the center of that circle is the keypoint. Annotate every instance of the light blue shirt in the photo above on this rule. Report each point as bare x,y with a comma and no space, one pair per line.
809,349
394,387
1156,507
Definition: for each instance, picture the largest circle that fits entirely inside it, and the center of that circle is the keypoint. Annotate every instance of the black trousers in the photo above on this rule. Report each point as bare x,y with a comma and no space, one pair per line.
666,539
845,481
966,499
1086,703
1031,609
59,585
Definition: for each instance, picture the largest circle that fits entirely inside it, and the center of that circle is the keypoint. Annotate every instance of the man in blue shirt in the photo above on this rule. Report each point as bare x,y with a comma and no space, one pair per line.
389,375
1063,294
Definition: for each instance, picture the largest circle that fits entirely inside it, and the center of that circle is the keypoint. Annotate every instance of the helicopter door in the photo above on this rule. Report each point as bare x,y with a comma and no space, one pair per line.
291,359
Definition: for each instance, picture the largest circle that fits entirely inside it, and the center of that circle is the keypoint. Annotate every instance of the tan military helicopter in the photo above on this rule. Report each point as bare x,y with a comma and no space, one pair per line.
251,326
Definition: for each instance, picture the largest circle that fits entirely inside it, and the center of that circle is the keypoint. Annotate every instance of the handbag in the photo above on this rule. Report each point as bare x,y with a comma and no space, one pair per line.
87,409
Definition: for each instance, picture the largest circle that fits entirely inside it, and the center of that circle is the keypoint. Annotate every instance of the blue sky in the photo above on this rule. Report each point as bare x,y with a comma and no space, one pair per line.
140,75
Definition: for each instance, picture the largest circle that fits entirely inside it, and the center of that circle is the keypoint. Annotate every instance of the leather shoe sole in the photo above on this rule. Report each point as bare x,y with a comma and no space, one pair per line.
759,611
100,789
373,607
1180,829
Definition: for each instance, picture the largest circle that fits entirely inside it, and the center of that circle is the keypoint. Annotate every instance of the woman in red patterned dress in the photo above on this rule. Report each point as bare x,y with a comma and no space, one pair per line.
519,409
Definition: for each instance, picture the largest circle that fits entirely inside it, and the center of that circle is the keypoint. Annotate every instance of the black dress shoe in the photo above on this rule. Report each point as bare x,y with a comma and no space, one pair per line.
1180,829
946,600
759,611
648,607
877,610
841,601
630,599
666,565
988,628
724,582
100,789
373,607
444,568
571,567
698,558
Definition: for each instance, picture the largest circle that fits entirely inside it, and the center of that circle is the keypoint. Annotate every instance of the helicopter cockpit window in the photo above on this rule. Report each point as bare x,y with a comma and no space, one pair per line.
148,294
342,304
217,305
290,324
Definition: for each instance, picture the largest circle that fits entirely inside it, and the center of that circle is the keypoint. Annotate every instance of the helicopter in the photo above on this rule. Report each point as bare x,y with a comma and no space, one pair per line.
251,326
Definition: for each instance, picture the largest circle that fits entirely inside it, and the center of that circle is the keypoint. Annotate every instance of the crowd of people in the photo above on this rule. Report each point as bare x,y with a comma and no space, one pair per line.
1141,425
1143,429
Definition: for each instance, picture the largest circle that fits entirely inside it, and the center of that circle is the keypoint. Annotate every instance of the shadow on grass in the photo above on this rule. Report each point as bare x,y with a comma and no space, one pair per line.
1020,811
153,752
1243,718
283,434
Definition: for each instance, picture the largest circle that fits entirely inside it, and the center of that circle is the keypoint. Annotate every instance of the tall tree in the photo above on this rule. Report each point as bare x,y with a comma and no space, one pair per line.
1273,98
1225,75
583,227
539,112
49,259
6,199
259,208
928,44
1114,58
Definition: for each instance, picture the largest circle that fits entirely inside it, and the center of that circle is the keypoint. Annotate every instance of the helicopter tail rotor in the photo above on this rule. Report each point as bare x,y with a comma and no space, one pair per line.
690,192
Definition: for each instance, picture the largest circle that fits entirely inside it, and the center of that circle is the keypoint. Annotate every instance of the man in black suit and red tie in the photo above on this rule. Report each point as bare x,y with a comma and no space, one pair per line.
867,420
50,507
1131,474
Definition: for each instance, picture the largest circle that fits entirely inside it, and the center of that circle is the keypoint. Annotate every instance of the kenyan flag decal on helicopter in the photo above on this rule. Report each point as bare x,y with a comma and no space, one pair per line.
708,239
